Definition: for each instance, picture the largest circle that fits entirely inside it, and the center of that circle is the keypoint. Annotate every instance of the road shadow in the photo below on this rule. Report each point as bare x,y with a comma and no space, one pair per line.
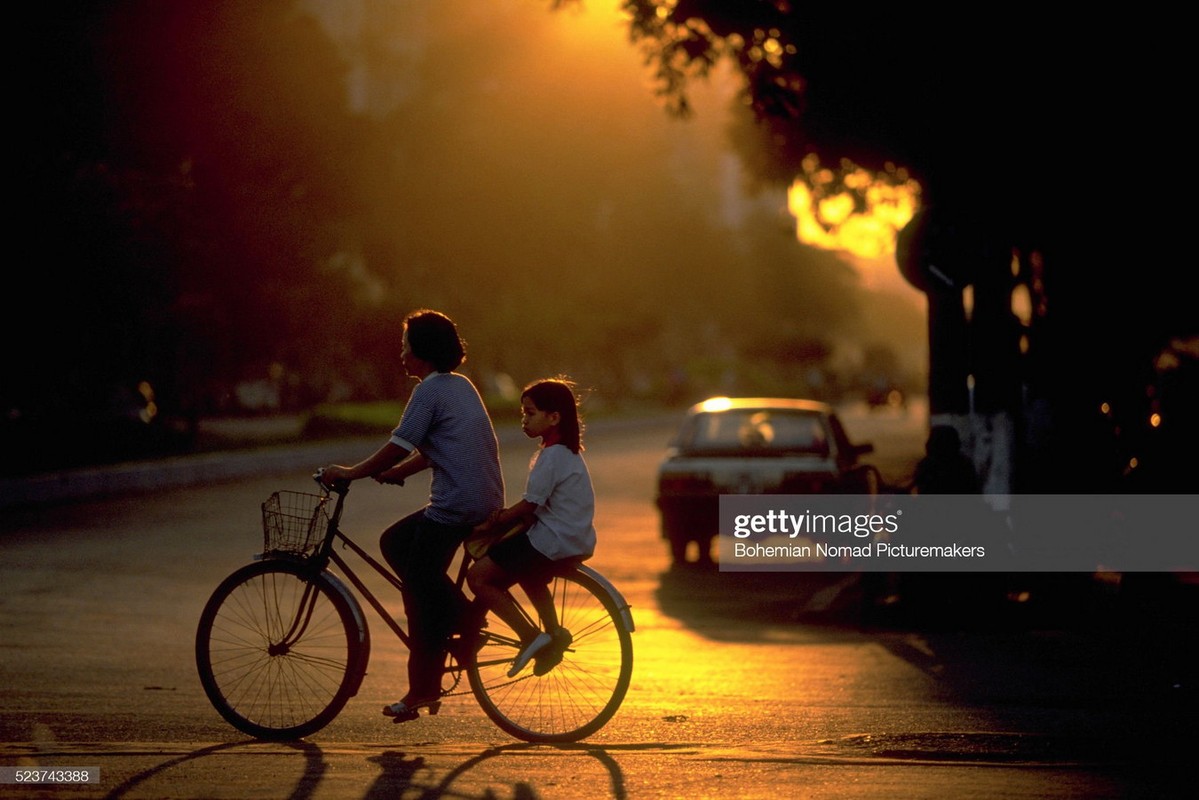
706,600
314,770
1109,669
494,772
409,775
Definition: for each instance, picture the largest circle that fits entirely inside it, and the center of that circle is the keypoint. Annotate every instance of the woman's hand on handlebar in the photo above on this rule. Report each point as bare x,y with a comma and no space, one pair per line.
389,464
333,476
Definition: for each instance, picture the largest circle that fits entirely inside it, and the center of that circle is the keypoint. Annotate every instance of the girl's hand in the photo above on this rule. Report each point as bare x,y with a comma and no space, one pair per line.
488,523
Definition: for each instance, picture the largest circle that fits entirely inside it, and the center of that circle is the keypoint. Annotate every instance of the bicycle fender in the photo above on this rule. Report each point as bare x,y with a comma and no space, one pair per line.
626,612
364,634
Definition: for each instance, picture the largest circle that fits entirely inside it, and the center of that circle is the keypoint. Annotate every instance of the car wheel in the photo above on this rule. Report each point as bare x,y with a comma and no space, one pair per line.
672,532
678,549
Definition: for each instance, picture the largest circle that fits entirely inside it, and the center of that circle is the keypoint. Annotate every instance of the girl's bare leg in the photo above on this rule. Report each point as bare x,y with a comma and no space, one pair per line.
489,581
539,594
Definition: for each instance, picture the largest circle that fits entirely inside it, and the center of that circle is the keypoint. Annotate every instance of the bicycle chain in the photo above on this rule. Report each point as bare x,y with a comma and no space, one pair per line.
457,673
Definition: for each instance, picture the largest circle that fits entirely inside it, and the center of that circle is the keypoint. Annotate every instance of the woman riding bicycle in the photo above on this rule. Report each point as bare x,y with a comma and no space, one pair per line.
445,426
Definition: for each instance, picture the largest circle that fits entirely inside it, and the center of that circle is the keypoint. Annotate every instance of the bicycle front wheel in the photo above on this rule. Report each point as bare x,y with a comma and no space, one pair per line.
578,696
280,650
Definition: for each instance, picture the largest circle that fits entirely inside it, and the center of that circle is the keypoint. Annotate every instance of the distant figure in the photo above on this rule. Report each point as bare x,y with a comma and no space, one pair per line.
945,469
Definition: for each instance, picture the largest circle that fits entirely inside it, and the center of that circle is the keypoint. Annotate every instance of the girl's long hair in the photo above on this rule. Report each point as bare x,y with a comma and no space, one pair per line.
558,394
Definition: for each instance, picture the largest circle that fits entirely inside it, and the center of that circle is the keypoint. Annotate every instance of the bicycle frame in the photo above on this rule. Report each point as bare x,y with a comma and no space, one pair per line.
361,587
327,554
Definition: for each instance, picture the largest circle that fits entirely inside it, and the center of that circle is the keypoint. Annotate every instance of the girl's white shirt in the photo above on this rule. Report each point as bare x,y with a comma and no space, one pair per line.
560,486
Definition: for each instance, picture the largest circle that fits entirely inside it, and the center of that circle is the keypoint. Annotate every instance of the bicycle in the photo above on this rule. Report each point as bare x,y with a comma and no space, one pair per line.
283,643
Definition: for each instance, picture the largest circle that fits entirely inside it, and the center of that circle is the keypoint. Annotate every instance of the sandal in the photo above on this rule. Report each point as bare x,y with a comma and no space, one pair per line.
406,710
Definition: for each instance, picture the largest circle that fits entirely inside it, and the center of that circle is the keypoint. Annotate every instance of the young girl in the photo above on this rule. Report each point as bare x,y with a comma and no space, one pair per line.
560,504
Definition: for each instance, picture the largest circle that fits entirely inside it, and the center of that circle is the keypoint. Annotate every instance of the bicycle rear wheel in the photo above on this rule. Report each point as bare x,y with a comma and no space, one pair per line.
578,696
280,650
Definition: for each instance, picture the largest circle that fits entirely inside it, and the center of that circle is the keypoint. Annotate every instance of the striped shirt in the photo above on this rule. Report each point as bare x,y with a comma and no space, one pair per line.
445,420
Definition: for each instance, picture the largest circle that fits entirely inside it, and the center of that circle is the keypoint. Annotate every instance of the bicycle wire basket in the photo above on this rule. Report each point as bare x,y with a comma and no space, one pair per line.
294,522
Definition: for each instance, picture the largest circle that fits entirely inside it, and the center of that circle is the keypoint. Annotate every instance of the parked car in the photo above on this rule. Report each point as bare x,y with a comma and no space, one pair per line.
752,445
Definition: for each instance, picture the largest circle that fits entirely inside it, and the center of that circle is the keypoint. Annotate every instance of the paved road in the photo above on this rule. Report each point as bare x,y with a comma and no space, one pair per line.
746,686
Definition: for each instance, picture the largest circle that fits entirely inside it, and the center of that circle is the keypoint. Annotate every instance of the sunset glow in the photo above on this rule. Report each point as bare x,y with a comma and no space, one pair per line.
852,209
594,31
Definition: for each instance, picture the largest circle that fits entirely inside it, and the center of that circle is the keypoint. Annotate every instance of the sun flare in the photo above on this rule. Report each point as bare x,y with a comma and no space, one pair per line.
594,29
853,209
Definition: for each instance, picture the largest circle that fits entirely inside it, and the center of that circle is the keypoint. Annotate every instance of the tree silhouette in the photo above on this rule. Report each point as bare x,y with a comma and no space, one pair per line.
1023,126
206,193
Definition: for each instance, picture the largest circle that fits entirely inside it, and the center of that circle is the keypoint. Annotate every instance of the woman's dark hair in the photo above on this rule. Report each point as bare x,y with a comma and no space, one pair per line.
434,338
558,394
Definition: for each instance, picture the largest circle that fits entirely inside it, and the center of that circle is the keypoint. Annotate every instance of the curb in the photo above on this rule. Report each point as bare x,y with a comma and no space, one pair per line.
166,473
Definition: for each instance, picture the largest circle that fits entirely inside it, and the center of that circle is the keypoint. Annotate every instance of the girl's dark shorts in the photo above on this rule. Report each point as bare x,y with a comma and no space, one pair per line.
519,557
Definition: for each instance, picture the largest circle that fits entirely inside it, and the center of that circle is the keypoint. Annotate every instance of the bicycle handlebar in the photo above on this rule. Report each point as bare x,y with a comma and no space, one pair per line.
341,487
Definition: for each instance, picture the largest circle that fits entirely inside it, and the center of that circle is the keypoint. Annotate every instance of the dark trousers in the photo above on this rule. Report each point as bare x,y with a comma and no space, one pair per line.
420,552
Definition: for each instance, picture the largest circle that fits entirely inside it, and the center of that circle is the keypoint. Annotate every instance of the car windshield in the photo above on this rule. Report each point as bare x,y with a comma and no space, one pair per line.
760,431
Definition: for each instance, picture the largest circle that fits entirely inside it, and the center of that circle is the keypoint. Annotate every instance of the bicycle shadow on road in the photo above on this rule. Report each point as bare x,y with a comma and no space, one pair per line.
519,770
403,773
315,768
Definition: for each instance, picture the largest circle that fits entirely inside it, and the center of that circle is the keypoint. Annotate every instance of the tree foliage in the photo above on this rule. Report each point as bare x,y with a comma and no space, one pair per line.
220,191
1030,131
969,107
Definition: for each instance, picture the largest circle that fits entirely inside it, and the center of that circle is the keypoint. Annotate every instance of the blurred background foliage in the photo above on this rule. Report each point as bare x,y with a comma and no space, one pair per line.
232,205
227,207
